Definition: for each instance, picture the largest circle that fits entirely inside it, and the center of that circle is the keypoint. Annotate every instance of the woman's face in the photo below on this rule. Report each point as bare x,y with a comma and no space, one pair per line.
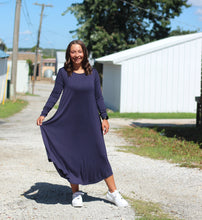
76,54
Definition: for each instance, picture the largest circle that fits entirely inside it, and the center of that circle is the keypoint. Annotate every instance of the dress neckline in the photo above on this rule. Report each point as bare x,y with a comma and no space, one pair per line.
78,73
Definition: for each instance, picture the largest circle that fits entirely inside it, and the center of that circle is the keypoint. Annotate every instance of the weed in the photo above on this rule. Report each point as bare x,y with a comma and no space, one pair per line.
174,148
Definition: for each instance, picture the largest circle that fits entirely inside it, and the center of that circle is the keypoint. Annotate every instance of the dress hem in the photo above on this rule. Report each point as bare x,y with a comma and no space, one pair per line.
80,182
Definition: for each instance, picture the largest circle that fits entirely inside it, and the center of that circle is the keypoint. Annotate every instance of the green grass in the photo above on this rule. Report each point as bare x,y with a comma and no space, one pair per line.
180,145
11,107
148,210
152,115
30,94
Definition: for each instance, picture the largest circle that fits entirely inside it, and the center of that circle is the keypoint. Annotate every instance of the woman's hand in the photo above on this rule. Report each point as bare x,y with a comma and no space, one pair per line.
40,120
105,126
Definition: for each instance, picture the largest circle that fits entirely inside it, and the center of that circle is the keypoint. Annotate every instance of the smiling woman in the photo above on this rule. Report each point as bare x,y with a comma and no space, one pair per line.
76,55
77,58
73,137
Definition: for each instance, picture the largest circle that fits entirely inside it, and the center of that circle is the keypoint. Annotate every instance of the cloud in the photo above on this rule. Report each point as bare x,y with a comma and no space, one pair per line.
27,32
198,4
195,2
199,11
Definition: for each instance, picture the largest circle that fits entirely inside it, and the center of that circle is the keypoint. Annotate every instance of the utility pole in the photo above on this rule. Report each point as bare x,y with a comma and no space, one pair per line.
15,50
37,46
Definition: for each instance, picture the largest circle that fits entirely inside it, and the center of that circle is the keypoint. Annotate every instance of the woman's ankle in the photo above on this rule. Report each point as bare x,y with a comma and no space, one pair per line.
75,188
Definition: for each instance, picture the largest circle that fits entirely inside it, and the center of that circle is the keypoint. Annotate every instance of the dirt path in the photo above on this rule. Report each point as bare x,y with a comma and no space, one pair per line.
32,189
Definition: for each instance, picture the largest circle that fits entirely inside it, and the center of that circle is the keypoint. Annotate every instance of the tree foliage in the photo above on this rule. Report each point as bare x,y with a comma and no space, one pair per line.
31,67
3,45
109,26
180,31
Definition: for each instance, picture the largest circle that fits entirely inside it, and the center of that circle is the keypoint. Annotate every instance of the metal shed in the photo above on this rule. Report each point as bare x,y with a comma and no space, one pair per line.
22,80
162,76
3,71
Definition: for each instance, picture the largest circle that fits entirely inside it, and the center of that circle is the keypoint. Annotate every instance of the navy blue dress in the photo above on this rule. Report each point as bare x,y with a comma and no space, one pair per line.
73,137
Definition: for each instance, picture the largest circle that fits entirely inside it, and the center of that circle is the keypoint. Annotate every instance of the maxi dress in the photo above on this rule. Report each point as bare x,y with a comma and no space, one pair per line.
73,137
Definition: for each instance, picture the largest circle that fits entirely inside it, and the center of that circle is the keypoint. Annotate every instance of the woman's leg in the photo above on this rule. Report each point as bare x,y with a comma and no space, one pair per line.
75,187
111,183
113,195
77,200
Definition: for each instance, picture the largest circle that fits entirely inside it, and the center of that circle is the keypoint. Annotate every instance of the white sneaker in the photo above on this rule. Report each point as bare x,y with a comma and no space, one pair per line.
117,199
77,200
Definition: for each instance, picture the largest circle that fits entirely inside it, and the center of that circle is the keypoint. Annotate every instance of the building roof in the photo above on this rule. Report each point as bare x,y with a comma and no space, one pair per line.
49,60
117,58
26,56
3,54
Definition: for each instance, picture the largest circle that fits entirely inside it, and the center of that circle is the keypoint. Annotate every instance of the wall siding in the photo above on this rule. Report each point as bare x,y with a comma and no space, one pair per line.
166,80
22,80
111,86
3,71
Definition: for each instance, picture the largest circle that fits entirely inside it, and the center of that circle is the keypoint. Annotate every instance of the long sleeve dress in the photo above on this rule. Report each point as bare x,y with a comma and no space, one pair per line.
73,137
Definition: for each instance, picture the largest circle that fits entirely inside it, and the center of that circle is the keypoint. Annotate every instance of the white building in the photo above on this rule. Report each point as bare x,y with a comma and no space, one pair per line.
162,76
3,75
60,60
22,80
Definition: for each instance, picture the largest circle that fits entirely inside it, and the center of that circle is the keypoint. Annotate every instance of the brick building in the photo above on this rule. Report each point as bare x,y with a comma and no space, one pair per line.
48,65
30,56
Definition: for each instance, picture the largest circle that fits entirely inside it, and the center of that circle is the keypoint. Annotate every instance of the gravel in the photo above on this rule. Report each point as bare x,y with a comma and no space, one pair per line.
32,189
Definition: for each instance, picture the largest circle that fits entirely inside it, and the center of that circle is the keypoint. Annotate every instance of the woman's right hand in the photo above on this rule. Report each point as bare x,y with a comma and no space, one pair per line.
40,120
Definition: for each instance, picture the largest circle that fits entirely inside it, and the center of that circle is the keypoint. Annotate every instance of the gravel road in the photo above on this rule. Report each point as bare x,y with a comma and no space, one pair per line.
32,189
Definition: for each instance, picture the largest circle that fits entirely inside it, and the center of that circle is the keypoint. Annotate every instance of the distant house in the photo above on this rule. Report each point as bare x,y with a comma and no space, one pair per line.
3,72
162,76
60,59
30,56
22,80
48,67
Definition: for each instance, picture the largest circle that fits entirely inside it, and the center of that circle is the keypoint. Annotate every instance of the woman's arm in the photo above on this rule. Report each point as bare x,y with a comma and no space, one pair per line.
55,94
98,96
100,103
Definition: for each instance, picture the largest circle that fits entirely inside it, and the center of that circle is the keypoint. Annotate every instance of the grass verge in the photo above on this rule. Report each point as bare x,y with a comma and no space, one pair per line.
148,210
11,107
30,94
152,115
180,145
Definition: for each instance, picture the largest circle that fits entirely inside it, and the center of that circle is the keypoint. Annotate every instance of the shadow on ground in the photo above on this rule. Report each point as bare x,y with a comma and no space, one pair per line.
48,193
151,125
188,132
2,122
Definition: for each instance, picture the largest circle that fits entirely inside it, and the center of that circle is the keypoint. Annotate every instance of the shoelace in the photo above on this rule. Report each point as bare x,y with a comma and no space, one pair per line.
77,194
118,196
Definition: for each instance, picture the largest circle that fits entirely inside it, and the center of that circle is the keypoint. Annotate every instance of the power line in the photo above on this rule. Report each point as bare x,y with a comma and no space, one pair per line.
156,14
25,4
38,39
2,3
29,24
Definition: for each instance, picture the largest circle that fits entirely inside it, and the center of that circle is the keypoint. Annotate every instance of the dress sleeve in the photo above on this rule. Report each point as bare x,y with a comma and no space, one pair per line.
55,94
98,96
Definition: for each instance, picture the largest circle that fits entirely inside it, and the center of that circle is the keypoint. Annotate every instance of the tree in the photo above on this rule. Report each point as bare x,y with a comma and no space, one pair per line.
33,49
109,26
3,45
180,31
31,67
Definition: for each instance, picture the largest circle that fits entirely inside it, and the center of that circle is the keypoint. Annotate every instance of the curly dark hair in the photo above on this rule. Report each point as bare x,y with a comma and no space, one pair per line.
68,65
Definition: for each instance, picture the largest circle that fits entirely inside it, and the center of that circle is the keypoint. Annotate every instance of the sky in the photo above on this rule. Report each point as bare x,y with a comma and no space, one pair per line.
55,27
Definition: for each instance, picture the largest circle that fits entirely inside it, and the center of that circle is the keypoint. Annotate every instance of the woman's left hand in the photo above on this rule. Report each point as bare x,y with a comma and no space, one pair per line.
105,126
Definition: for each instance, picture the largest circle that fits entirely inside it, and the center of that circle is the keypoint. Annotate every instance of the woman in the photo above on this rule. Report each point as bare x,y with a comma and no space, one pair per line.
73,137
